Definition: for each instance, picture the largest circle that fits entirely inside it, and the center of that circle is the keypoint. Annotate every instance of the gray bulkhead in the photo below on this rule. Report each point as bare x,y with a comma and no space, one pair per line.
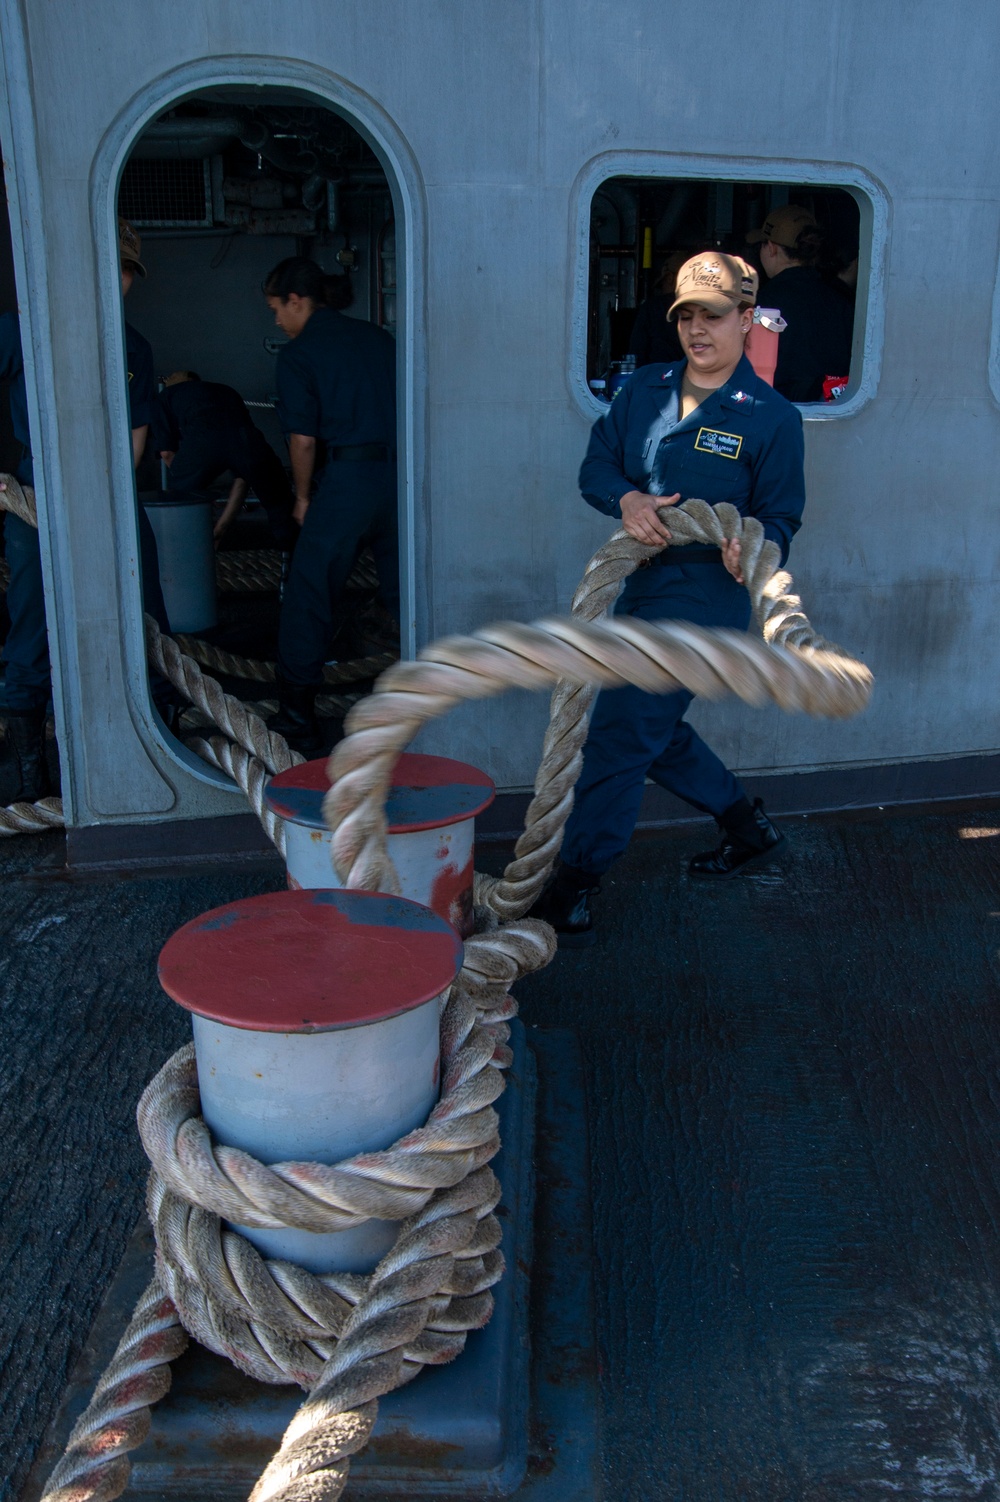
494,125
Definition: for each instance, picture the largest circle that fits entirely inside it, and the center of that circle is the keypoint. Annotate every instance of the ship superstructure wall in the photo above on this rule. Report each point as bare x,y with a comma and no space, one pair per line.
496,125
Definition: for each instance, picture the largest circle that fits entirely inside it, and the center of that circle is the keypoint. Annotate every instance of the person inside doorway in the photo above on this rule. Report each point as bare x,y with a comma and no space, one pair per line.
28,684
336,380
200,430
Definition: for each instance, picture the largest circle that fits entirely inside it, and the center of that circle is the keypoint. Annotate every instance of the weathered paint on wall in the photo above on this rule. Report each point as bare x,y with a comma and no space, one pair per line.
488,119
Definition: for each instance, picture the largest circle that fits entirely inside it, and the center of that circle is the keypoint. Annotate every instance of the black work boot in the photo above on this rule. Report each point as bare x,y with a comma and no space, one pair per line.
296,717
565,904
26,730
747,835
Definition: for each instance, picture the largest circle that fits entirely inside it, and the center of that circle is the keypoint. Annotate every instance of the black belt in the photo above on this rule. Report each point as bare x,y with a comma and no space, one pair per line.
360,453
693,552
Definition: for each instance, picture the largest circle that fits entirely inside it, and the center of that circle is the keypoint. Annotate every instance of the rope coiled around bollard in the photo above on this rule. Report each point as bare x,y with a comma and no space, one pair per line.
370,1335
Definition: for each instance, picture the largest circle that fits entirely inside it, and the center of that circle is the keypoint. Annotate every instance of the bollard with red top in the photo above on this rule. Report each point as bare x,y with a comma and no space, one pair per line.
316,1025
431,812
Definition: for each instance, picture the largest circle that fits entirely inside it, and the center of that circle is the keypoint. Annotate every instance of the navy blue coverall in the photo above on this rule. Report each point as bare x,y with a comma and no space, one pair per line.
742,445
26,650
337,383
209,429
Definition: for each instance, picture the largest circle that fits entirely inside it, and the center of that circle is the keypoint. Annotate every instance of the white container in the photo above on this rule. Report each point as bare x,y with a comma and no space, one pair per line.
316,1019
431,812
182,526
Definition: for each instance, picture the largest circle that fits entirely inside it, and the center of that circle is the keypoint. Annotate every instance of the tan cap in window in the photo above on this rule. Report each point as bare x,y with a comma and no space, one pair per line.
783,226
715,281
130,246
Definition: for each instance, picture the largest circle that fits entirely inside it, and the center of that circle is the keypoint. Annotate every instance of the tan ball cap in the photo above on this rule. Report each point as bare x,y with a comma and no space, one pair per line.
783,226
715,281
130,245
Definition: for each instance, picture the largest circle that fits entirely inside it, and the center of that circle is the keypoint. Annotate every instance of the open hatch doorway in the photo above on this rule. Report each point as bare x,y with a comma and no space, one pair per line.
221,187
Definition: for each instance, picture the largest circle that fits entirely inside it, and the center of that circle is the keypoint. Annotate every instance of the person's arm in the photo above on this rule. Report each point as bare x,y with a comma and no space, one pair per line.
779,492
302,452
605,485
298,411
603,481
237,495
139,444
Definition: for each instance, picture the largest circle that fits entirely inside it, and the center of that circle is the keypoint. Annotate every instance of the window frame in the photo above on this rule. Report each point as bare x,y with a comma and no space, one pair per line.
873,207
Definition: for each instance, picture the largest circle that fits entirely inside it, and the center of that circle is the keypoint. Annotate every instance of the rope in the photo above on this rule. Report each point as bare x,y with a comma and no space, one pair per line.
257,671
259,569
345,1337
349,1340
19,500
31,818
95,1464
793,667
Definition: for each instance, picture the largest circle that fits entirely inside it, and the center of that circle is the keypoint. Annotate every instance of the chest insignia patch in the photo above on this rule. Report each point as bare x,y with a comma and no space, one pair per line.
711,441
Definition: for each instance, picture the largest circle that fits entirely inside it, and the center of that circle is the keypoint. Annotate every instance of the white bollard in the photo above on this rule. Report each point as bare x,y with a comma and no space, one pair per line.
182,525
431,812
316,1023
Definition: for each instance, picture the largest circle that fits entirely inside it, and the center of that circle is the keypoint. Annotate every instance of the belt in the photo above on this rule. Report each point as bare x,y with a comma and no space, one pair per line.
693,552
360,453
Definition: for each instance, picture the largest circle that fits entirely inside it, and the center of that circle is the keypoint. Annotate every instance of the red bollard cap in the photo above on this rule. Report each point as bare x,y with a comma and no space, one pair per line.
310,961
427,792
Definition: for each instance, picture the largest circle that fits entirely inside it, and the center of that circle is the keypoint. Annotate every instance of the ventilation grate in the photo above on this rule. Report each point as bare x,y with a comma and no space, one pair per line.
160,193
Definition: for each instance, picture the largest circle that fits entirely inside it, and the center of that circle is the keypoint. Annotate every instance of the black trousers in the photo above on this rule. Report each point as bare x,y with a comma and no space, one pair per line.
203,457
355,504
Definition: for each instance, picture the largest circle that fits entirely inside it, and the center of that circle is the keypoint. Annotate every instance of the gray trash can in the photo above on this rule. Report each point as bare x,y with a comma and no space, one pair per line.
182,524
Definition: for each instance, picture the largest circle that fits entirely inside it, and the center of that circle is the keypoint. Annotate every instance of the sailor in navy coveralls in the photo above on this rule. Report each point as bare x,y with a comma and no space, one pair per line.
704,427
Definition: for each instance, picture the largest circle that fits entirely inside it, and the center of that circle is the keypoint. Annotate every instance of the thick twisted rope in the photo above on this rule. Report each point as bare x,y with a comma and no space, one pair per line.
257,670
237,1302
95,1464
779,615
31,818
259,570
459,1136
231,716
348,1338
19,500
793,667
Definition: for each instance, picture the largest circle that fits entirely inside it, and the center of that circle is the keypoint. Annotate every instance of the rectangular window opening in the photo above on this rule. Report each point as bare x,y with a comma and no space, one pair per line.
642,229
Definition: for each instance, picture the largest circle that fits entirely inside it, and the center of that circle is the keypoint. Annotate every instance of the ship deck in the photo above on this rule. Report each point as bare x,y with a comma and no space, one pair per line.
793,1109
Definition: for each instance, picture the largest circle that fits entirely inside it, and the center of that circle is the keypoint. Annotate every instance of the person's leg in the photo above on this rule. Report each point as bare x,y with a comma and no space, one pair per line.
26,652
628,730
690,769
329,540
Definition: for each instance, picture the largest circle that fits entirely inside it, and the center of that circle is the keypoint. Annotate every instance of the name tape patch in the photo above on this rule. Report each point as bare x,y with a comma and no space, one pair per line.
711,441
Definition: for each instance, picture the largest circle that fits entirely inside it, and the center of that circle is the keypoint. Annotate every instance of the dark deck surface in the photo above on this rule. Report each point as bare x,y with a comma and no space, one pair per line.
795,1127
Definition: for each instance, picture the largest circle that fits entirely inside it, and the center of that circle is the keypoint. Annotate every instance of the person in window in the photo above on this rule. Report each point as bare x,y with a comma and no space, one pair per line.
817,341
654,337
336,381
705,426
200,430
